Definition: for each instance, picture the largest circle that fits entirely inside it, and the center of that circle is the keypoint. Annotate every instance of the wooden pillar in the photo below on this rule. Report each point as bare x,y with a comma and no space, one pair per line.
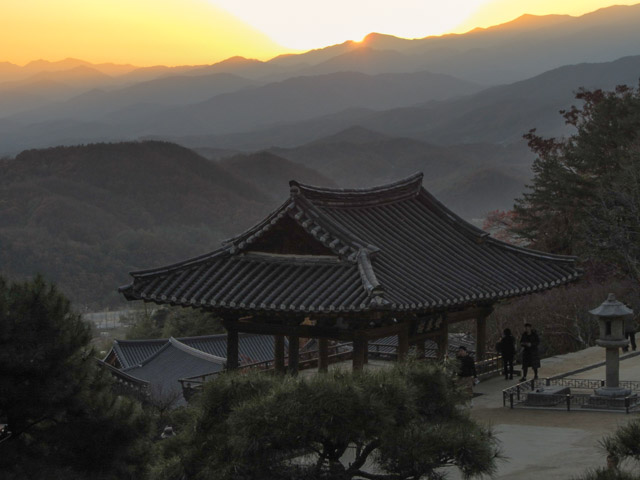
358,353
323,354
232,347
481,337
365,351
294,350
278,353
420,349
403,343
443,340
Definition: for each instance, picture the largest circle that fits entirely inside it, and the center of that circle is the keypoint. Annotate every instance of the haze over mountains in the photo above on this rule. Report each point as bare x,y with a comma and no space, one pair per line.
349,115
44,104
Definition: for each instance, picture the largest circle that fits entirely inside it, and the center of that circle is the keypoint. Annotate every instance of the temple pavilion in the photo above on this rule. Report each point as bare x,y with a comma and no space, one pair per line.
354,265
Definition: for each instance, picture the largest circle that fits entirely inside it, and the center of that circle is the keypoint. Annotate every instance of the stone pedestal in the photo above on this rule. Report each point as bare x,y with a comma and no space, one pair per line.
547,396
612,388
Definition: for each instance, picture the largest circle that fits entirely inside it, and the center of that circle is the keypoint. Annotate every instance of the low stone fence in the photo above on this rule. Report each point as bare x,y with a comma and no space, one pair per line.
569,394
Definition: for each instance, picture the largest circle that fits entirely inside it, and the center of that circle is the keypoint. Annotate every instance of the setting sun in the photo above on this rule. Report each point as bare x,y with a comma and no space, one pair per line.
172,32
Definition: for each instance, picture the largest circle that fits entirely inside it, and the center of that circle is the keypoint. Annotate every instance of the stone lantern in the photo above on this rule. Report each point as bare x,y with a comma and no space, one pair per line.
611,316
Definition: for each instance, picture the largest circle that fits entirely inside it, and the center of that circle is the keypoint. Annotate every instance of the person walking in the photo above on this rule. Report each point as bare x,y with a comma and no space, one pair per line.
529,342
506,347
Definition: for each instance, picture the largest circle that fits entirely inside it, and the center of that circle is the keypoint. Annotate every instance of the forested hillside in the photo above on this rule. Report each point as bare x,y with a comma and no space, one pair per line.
85,216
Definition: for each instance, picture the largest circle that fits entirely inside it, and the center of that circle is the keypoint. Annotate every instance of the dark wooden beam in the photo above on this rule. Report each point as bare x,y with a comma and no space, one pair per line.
481,337
443,341
468,314
232,348
381,332
358,353
294,357
303,331
314,331
278,354
323,354
403,344
365,350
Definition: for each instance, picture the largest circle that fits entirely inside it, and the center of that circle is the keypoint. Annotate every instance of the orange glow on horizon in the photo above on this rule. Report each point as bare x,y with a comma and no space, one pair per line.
196,32
495,12
140,32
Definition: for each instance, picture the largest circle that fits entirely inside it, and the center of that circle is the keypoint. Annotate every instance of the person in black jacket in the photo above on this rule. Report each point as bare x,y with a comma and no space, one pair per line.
467,370
507,349
530,356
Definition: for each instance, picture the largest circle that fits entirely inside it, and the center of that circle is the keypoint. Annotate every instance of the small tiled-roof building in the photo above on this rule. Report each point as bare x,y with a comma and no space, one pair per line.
354,265
158,365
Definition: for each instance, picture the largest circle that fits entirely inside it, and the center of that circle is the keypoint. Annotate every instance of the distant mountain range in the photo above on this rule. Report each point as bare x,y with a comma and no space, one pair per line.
50,103
356,114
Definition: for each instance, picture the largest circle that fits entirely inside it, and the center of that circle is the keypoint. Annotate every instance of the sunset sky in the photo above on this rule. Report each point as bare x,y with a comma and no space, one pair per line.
175,32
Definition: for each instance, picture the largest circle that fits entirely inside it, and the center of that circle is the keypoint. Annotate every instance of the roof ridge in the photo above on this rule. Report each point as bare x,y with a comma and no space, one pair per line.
532,252
174,266
240,241
149,358
195,352
121,373
144,340
485,236
360,197
327,231
370,282
452,217
297,187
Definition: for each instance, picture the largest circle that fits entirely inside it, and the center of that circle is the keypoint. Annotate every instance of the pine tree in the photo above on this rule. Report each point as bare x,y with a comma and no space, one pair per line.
65,422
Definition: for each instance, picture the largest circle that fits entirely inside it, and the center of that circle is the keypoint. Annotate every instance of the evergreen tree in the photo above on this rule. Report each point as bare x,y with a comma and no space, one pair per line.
585,195
401,423
65,422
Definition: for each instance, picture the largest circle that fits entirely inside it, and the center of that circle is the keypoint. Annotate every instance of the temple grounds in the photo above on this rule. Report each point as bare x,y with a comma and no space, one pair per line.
547,444
553,444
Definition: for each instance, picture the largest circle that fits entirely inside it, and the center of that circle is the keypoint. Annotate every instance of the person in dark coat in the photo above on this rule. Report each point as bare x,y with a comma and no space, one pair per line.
630,333
467,370
530,356
507,349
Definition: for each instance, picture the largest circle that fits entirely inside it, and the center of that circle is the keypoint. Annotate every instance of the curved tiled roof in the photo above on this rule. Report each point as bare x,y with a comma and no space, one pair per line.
252,348
394,247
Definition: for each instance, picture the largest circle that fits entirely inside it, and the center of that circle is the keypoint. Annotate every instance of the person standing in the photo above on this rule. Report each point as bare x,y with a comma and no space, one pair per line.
630,333
507,349
467,370
530,356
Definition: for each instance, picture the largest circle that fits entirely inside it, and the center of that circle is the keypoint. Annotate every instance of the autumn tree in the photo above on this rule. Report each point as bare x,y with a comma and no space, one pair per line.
585,194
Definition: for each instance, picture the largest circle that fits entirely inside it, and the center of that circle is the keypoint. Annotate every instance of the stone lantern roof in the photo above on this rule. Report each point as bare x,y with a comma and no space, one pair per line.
612,308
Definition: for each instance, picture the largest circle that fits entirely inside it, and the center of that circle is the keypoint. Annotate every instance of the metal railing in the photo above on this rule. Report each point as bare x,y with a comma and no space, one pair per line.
489,366
518,396
308,359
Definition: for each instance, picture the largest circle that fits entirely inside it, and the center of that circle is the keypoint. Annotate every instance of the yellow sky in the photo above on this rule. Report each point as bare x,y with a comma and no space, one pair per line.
141,32
175,32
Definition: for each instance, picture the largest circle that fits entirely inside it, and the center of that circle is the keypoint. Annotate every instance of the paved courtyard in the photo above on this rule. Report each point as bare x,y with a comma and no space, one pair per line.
551,444
539,444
